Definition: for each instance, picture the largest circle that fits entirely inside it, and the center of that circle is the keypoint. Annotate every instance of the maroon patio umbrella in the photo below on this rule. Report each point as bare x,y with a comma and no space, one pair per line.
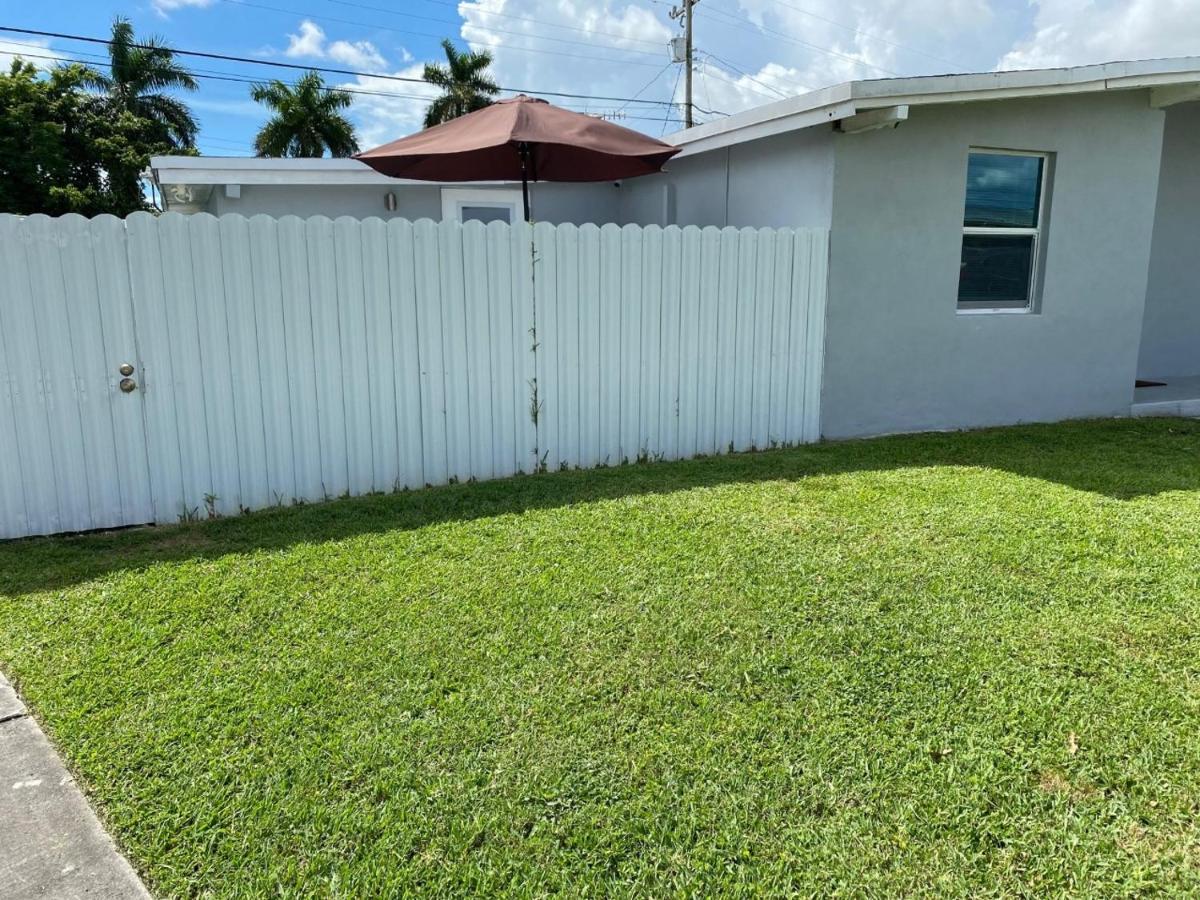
523,138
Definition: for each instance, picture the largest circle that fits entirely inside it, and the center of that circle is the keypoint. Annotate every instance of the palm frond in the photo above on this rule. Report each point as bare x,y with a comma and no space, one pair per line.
305,120
172,115
464,81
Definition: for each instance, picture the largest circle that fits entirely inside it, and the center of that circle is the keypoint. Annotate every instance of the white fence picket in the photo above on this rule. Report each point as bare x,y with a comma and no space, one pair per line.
564,415
545,298
85,331
59,385
351,331
406,360
31,433
327,358
813,300
500,339
216,378
478,356
245,364
376,269
130,464
284,360
689,346
267,290
609,374
178,299
524,343
157,370
667,418
426,264
591,373
303,410
455,357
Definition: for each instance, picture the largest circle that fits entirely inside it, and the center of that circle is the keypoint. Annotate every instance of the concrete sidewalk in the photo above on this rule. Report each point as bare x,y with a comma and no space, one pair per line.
51,843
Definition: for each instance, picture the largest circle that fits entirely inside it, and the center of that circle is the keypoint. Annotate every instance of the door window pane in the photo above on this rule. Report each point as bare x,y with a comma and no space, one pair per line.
485,214
996,270
1003,190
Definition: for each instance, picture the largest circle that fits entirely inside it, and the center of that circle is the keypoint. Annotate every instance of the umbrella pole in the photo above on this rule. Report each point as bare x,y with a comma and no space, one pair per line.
523,149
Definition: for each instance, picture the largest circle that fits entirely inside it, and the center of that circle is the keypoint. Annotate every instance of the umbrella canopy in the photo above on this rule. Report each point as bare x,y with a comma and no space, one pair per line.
523,138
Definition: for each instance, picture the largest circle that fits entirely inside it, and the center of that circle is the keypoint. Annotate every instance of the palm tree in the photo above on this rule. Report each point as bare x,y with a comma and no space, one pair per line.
465,84
306,119
138,72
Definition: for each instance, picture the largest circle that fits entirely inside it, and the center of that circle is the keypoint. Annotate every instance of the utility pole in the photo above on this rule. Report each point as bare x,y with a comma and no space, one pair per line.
685,12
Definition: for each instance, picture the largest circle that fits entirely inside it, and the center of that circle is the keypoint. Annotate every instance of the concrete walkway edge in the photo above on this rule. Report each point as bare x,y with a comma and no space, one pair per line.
51,842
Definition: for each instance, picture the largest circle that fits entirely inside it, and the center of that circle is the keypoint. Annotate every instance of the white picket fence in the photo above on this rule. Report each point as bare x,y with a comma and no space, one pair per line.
285,360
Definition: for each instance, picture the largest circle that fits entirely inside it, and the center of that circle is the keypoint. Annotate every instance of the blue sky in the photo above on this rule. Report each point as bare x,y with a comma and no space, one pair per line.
750,51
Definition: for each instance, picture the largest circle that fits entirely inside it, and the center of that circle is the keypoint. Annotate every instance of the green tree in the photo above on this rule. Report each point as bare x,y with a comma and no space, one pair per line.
63,149
465,84
306,119
50,161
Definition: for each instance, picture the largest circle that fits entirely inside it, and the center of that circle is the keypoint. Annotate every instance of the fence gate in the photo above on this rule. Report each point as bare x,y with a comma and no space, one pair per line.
72,442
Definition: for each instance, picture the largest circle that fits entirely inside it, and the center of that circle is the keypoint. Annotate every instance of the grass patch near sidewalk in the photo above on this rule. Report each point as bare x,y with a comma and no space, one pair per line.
947,664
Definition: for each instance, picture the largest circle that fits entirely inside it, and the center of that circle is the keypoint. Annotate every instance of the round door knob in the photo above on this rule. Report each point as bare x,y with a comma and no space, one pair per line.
125,369
128,385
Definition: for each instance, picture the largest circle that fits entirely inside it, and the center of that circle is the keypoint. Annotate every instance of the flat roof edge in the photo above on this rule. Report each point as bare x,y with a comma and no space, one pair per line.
848,98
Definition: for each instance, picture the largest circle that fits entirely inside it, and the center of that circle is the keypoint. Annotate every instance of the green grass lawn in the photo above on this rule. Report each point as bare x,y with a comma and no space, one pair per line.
941,664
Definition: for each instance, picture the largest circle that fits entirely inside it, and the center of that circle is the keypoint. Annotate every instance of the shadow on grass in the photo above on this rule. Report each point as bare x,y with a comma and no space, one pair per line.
1120,459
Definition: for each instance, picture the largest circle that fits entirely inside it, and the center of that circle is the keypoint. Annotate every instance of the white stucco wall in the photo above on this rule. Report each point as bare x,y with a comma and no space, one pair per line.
1171,328
555,203
898,355
781,181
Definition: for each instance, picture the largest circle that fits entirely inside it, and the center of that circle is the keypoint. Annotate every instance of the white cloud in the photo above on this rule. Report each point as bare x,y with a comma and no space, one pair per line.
721,90
163,7
1075,32
311,43
10,50
596,47
388,109
754,51
356,55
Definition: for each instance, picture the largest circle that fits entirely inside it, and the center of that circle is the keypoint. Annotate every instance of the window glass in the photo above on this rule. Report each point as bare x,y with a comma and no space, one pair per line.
1003,190
467,213
996,270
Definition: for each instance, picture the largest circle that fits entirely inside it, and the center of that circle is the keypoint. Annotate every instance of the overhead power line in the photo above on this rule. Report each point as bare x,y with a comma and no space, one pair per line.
744,74
271,63
667,117
211,75
645,87
217,76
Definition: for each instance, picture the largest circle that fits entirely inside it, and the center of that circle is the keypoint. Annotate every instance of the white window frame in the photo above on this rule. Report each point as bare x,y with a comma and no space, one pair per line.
1036,233
454,199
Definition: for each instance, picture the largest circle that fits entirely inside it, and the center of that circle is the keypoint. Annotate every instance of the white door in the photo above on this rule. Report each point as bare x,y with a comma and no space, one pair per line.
72,432
482,205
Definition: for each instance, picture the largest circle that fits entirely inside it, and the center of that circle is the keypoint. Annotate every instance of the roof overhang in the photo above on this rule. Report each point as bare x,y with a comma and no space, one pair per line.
1168,81
187,182
197,170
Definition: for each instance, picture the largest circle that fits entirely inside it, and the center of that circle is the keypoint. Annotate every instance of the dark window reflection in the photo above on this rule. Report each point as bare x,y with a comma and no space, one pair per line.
996,269
1003,190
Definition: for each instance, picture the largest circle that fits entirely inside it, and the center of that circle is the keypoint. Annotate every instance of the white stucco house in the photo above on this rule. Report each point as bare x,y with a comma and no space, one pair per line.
1005,246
